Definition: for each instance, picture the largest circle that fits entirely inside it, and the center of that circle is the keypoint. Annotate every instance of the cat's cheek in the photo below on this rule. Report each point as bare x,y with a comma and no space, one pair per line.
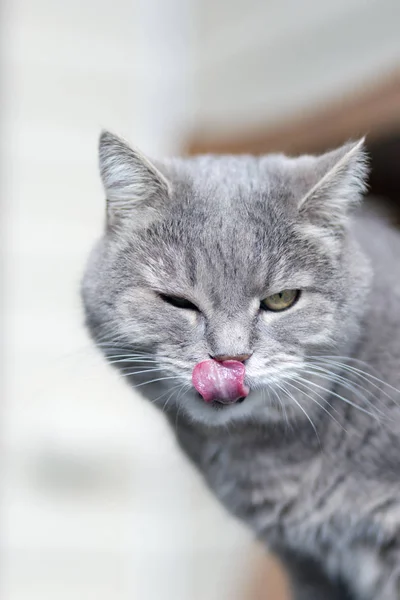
187,332
198,331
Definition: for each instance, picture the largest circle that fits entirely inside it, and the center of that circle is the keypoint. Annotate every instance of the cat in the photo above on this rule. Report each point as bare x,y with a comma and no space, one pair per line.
255,302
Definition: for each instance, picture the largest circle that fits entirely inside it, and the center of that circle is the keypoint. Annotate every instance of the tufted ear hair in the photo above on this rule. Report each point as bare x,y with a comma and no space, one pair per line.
339,182
130,180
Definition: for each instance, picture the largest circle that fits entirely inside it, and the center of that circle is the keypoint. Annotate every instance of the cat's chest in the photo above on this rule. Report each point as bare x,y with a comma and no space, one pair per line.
308,505
262,487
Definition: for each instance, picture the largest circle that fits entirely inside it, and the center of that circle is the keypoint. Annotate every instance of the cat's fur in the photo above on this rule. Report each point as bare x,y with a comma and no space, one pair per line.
311,459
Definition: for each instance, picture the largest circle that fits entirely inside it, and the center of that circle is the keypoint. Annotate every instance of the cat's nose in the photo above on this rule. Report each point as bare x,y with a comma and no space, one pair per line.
224,357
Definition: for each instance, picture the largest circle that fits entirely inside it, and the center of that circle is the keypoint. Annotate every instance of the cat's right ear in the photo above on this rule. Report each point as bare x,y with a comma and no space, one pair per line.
130,180
339,182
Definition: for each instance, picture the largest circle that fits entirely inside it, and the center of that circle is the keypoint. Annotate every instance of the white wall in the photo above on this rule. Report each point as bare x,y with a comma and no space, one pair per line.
260,61
98,503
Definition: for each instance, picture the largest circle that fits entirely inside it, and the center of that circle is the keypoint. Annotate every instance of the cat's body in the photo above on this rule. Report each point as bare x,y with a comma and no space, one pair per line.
335,500
319,483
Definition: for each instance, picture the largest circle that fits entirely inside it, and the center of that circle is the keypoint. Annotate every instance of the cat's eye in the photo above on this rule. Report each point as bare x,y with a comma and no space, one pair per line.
179,302
280,301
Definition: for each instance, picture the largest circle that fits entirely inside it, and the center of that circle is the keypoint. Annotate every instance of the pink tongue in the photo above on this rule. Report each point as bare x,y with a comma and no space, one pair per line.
223,381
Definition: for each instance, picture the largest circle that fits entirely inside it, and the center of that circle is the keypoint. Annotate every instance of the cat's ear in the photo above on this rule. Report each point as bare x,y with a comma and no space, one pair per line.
130,180
340,182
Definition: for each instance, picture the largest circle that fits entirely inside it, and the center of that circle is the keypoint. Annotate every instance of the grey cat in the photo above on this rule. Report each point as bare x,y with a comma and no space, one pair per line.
247,301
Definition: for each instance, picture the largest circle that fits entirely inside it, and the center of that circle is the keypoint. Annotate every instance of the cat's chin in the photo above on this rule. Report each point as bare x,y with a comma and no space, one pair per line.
252,409
220,404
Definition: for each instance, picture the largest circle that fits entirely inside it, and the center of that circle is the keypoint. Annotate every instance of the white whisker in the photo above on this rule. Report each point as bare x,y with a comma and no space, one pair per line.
133,360
165,393
142,371
155,380
316,402
334,377
362,374
333,393
288,393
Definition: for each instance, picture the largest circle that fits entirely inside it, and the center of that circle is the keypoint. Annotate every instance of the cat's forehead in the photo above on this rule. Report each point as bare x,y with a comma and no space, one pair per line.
228,202
229,220
217,241
241,204
225,180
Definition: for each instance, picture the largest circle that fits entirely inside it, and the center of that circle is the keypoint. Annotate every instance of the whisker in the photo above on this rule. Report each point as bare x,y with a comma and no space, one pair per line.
181,389
141,372
154,381
281,404
284,409
334,377
364,375
165,393
301,408
318,403
169,397
185,388
132,360
375,397
336,356
127,352
108,338
333,393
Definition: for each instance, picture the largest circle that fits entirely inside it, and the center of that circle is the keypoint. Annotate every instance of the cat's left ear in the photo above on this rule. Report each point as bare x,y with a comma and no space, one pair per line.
341,181
132,183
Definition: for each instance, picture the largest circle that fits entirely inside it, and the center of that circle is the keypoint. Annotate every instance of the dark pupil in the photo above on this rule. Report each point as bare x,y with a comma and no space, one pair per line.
179,302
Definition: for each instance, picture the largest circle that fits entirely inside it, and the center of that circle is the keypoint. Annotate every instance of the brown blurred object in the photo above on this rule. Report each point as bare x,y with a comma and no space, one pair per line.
384,180
373,110
267,580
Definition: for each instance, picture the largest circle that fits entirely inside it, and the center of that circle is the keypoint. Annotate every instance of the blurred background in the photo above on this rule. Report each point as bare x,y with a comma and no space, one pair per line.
97,502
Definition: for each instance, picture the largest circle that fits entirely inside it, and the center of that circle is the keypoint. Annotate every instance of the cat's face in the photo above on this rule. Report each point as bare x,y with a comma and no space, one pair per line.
194,263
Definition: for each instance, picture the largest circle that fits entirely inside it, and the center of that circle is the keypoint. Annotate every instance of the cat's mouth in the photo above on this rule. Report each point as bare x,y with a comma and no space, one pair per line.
220,382
220,403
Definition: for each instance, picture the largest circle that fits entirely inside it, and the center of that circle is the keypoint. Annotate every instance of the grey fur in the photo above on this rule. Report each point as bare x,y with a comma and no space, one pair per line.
311,459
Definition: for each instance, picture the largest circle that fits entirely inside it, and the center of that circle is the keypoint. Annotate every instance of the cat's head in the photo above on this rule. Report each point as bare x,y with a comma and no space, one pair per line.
226,258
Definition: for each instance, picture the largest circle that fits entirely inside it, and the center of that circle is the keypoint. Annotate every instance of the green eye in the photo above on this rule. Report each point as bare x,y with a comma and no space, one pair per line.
280,301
